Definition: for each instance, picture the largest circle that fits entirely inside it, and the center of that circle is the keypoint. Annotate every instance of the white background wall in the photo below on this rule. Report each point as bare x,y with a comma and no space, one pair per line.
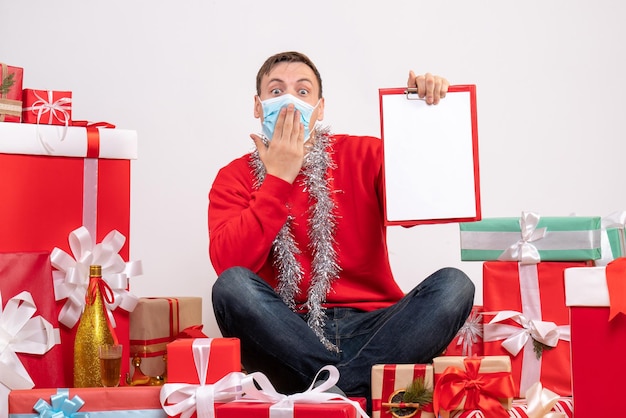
550,88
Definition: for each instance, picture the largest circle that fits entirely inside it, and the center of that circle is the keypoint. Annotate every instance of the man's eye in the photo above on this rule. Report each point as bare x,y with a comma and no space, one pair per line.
276,92
303,92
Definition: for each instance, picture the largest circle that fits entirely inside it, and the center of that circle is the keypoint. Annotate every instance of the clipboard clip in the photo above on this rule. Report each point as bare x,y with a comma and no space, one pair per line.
411,94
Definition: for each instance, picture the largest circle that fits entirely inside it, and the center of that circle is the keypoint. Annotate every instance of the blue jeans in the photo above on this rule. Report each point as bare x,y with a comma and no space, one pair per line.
279,343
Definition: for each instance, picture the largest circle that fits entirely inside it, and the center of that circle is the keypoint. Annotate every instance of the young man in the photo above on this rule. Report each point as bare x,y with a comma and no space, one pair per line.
298,242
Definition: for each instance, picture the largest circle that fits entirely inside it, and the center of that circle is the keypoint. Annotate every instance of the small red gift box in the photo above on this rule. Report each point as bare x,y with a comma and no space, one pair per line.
10,93
157,321
532,321
31,356
224,356
390,379
469,339
102,402
84,181
598,319
483,383
47,107
300,410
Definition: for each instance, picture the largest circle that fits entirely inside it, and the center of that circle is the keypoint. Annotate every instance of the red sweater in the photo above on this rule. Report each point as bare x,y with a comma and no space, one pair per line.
243,223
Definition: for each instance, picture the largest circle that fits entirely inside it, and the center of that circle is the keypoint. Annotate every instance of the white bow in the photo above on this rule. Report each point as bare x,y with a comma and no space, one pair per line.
283,405
470,333
614,220
515,338
22,332
71,280
523,251
185,399
540,401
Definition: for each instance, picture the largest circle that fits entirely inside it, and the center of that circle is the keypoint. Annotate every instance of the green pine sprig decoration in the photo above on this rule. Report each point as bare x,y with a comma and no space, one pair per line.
7,83
417,392
539,348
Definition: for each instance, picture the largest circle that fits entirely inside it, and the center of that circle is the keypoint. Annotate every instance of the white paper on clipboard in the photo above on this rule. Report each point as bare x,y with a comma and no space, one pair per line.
430,163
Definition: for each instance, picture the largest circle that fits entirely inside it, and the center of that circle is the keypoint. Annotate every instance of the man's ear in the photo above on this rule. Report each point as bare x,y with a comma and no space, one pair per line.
320,110
258,108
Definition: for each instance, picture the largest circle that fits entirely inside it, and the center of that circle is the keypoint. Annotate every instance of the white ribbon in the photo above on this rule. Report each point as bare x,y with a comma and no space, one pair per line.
57,110
185,399
283,405
22,332
613,220
470,333
523,251
540,402
71,279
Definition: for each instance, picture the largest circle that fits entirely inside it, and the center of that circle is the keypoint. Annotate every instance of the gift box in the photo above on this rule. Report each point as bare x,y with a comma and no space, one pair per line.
29,330
595,296
53,190
469,338
224,356
467,383
526,318
47,107
390,381
613,238
563,408
157,321
531,239
10,93
95,402
302,410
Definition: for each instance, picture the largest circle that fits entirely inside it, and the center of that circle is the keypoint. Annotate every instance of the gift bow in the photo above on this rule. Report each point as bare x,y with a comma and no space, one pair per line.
283,405
539,402
22,332
61,406
480,390
616,283
613,220
56,110
71,280
515,338
185,399
523,251
470,333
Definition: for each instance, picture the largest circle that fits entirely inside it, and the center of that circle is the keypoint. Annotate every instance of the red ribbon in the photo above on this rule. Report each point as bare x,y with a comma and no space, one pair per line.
616,283
93,135
98,283
480,390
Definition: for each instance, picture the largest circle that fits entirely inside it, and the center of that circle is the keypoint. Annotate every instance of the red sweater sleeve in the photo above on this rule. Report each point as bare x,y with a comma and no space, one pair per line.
243,222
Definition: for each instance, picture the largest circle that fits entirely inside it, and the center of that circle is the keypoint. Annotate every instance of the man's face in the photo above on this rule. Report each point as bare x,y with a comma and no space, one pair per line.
295,78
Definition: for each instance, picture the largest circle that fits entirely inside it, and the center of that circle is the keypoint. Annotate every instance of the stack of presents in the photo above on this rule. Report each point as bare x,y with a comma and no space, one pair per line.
548,337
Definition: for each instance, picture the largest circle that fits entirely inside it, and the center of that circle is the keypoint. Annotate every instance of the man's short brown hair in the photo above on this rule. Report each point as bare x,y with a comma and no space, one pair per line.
289,56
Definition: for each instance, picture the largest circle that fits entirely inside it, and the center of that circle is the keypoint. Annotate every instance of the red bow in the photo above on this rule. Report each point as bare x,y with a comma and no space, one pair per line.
480,390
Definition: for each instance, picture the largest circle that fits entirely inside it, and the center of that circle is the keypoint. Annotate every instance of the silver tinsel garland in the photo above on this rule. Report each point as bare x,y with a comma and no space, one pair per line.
321,231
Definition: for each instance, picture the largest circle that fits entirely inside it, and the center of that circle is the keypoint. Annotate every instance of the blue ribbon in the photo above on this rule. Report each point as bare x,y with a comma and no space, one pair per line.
61,406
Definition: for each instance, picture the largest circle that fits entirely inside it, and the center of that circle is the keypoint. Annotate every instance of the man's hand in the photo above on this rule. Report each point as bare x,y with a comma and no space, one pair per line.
284,154
430,87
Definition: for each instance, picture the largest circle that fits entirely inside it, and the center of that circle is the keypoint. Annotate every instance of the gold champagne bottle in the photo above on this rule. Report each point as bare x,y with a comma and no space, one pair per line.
93,331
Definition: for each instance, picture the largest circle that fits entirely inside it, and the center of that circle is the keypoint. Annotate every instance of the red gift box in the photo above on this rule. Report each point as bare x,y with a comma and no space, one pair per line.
531,300
564,406
52,195
388,379
224,356
10,93
598,339
469,339
262,410
32,273
47,107
107,402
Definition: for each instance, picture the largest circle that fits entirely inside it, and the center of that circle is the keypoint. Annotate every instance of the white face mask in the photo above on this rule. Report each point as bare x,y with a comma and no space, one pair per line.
271,109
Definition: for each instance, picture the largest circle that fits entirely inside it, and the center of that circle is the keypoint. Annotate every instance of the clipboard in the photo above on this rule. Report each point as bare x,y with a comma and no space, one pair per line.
430,157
